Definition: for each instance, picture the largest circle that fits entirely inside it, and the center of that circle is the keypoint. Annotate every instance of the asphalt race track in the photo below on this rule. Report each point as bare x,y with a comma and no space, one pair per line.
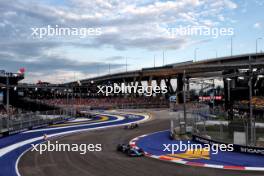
14,146
109,161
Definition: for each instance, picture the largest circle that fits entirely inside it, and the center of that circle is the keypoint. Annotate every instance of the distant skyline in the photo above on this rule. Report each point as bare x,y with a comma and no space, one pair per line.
132,32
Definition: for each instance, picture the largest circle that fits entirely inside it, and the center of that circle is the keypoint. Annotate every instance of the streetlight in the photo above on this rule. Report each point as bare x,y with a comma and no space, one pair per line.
228,88
184,102
195,53
257,43
216,54
126,64
252,122
214,94
7,99
241,78
231,45
163,58
154,61
98,69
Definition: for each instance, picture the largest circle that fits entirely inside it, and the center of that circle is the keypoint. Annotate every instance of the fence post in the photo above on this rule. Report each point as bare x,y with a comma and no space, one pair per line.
21,123
204,128
221,131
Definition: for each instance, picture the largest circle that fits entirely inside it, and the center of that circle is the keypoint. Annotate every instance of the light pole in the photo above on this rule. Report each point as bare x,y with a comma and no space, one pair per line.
257,43
216,54
184,102
7,99
228,89
126,64
195,54
214,94
154,61
73,101
97,69
231,46
37,98
163,59
250,104
67,99
7,94
80,91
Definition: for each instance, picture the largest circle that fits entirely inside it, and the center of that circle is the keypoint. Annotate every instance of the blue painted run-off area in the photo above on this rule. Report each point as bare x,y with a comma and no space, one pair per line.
153,144
8,161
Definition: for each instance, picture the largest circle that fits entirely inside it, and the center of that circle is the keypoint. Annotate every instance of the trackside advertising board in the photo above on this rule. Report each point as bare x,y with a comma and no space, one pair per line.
237,148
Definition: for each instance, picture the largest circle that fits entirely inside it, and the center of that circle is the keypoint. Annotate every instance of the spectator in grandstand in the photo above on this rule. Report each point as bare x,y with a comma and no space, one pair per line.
108,102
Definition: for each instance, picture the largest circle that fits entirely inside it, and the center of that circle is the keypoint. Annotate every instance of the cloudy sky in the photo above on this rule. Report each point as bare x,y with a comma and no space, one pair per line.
132,29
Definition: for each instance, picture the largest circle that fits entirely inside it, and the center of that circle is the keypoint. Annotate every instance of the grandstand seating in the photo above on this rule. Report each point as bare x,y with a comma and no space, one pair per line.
112,102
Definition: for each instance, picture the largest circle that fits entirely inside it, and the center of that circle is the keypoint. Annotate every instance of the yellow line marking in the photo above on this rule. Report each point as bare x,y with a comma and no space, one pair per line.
192,154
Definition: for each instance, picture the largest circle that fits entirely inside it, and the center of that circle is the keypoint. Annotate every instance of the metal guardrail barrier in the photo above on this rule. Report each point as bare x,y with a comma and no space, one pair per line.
25,121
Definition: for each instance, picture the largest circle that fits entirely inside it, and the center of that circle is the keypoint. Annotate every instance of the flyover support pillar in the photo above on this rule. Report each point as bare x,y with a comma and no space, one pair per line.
179,89
158,81
150,84
169,86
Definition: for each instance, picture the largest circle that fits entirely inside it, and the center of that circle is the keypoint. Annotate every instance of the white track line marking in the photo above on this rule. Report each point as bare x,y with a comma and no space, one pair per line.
119,118
17,145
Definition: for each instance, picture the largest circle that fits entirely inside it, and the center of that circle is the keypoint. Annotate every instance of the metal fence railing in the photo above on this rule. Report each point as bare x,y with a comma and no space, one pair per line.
217,126
23,121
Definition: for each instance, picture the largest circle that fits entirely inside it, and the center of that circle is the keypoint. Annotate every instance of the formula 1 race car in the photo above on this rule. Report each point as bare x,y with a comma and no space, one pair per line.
123,148
130,151
131,126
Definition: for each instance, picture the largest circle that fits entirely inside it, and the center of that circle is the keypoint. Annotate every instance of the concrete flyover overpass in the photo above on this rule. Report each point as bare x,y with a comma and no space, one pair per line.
223,67
8,80
217,67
